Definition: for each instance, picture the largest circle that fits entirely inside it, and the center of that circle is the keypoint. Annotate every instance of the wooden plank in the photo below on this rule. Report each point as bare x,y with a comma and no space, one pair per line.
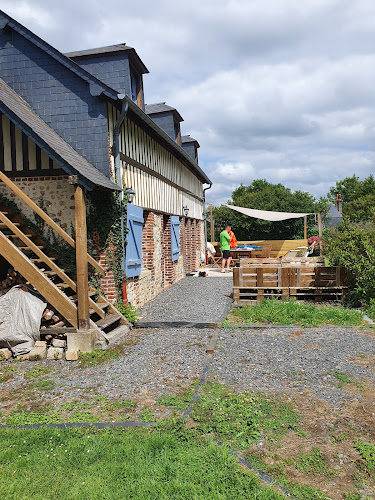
259,276
46,218
44,286
81,259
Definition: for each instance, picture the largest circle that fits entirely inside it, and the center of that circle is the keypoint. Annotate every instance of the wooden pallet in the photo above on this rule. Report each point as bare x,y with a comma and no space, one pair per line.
252,284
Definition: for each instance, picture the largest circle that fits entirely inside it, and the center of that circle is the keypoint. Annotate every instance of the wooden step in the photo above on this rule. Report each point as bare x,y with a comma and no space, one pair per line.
15,236
2,224
24,249
49,273
42,260
108,320
62,286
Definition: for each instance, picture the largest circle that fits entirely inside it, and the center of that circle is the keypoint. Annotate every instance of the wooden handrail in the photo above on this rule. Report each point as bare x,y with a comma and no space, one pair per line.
46,260
47,219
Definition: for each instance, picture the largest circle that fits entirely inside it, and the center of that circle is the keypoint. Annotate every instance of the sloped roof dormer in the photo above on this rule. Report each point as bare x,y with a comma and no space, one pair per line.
119,66
167,118
190,145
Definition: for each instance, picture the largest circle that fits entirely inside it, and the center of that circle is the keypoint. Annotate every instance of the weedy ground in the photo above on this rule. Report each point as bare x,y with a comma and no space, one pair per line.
293,312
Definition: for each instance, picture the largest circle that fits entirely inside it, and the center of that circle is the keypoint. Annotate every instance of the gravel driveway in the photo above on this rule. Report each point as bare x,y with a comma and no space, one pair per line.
161,361
192,300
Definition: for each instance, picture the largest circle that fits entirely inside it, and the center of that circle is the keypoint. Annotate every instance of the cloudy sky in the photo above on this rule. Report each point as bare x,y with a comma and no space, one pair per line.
276,89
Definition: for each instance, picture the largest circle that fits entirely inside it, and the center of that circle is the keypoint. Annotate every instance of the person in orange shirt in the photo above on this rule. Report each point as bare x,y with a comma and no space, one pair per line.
232,239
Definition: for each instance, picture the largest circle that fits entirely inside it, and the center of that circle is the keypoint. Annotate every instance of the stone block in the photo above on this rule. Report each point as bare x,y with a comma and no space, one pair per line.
23,357
40,343
72,354
5,353
37,353
83,340
58,343
55,353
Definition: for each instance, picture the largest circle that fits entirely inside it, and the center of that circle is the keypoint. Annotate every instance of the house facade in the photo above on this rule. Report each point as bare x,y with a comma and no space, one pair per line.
82,115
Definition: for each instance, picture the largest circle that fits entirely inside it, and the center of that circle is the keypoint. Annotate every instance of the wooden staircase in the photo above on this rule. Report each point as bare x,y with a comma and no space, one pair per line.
24,251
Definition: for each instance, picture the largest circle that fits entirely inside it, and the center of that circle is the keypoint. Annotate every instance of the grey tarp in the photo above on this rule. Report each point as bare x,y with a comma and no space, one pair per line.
20,318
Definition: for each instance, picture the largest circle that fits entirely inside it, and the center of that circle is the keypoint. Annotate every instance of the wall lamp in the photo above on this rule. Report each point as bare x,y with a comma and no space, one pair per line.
130,193
186,210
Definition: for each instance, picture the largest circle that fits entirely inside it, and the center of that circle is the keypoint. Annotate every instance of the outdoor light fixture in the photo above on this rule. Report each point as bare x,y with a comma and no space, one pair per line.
130,193
186,210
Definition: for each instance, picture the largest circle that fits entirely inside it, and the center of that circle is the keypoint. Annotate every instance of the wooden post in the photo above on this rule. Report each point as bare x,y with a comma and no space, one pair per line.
81,258
320,233
305,228
212,225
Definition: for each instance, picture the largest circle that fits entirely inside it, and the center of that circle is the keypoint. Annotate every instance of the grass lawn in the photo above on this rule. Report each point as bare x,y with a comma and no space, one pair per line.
120,464
293,312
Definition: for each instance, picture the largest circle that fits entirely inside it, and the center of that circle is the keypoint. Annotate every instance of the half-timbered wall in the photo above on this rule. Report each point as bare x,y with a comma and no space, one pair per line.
19,155
36,174
161,181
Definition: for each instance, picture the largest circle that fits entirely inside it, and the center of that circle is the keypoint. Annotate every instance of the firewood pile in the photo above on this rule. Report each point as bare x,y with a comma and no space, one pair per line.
13,278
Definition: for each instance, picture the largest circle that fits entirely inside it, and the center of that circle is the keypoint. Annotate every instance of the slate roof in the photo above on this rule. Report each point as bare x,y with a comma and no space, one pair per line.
97,87
19,112
109,49
161,107
186,138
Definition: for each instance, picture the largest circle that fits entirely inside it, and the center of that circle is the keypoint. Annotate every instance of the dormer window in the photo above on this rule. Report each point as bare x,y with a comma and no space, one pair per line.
136,87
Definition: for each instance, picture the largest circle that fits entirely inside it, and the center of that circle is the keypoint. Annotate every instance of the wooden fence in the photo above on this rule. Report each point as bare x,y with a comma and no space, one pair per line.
253,283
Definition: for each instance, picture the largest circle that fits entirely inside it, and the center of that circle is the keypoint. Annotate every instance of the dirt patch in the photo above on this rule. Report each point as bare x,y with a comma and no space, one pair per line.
365,360
321,454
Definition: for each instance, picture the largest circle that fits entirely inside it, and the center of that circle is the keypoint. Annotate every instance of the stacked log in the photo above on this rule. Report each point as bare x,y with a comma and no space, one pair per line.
13,278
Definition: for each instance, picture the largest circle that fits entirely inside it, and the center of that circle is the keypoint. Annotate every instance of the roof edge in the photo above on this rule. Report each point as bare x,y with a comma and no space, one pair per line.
165,137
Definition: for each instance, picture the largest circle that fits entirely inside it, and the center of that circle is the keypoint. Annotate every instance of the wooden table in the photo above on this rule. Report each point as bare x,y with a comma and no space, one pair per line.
238,253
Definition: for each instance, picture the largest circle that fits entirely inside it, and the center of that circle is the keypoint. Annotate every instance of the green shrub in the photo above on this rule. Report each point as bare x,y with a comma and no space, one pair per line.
353,246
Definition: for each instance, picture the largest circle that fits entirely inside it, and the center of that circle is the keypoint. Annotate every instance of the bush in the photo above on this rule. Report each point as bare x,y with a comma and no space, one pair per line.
353,246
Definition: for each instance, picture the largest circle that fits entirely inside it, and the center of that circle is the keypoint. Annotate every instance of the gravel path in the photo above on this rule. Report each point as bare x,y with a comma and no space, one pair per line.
278,360
197,300
161,361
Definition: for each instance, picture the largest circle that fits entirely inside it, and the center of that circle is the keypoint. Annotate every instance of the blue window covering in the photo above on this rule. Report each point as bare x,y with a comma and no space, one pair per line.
133,262
175,237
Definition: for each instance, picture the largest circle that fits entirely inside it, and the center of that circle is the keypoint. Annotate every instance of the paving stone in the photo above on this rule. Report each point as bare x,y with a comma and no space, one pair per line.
55,353
37,353
5,353
58,343
72,354
40,343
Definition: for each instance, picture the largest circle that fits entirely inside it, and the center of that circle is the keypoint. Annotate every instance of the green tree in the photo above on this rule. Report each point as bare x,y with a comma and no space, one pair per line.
347,188
263,195
358,197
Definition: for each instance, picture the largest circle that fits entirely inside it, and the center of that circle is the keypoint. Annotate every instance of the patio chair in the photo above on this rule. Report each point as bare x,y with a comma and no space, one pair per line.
265,252
215,260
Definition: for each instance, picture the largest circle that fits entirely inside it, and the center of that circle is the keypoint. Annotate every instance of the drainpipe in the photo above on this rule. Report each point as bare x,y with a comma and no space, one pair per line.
205,221
118,170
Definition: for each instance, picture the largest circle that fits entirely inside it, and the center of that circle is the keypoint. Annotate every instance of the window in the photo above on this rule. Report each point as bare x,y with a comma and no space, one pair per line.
136,87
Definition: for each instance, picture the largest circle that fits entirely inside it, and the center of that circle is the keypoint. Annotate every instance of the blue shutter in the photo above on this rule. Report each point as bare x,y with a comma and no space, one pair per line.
175,237
133,262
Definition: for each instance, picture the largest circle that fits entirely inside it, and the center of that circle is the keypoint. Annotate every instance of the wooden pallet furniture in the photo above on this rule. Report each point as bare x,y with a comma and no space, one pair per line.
251,284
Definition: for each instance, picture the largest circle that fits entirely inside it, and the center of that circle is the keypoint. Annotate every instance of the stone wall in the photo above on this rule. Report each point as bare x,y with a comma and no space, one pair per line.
53,193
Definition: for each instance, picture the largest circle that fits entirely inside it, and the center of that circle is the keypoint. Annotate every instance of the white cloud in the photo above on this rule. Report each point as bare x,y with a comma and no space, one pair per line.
275,90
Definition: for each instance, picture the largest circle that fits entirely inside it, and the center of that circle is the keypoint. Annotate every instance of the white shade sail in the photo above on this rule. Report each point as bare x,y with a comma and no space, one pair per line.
267,215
